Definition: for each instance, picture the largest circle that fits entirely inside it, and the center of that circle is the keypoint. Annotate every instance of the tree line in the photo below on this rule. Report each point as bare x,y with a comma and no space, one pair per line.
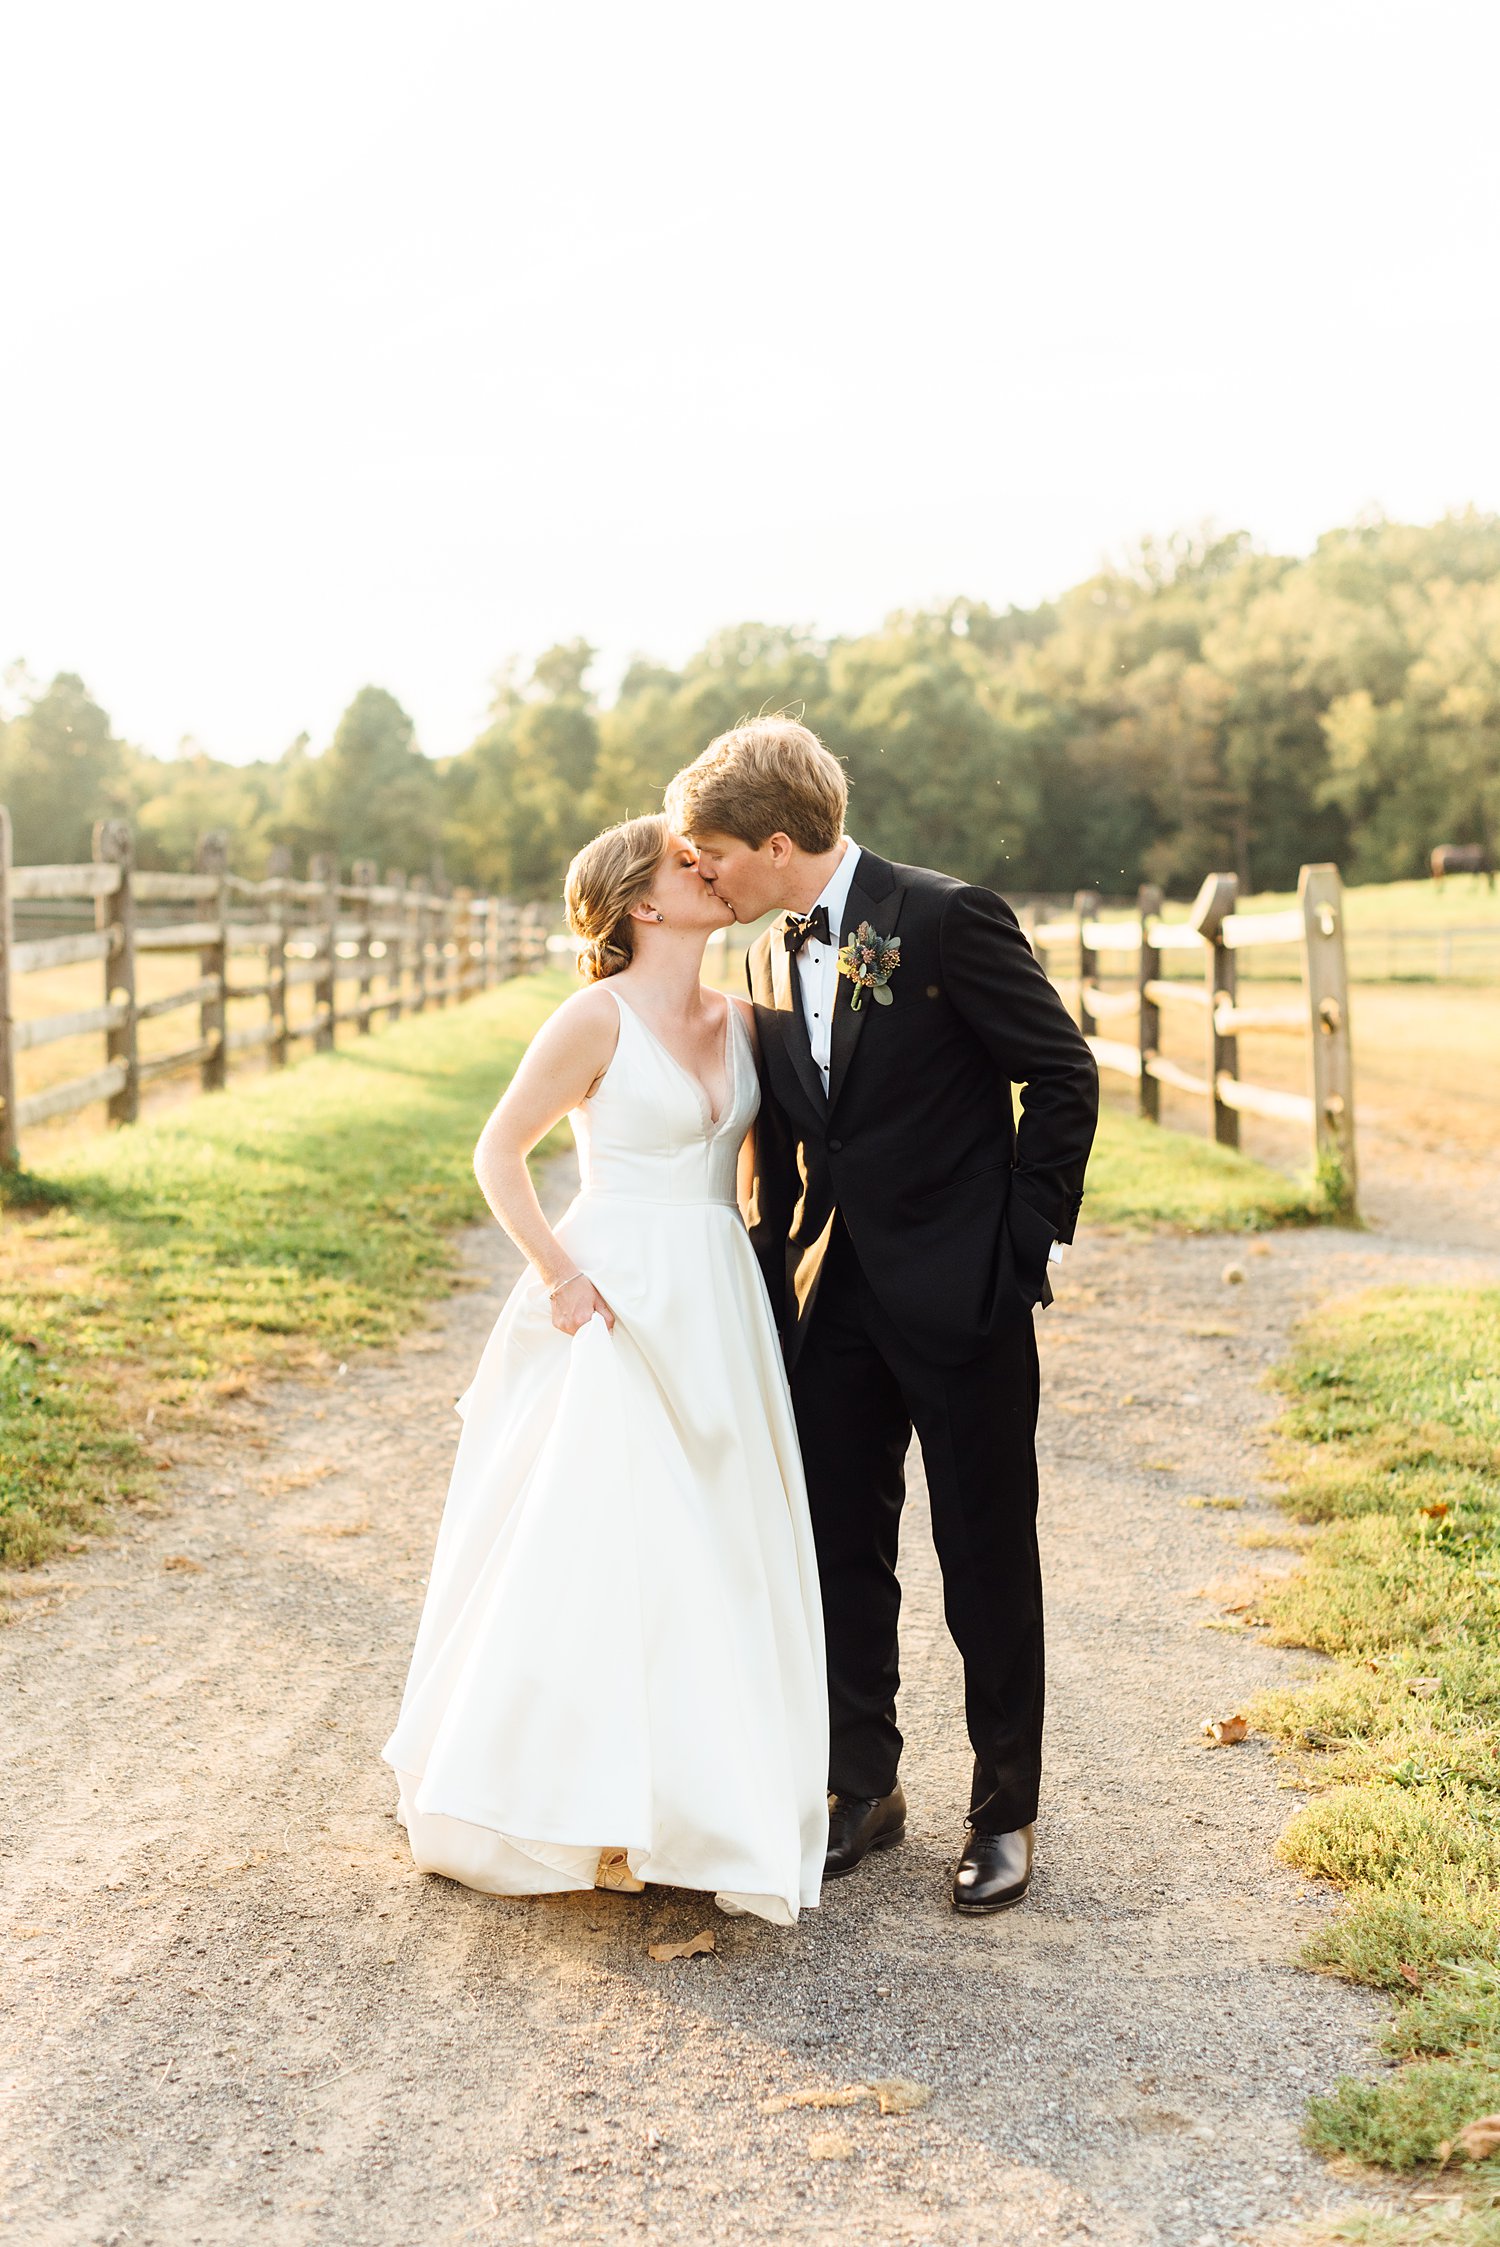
1205,704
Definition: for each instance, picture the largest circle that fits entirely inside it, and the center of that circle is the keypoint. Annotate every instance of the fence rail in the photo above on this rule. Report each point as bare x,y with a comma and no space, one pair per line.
403,947
1219,936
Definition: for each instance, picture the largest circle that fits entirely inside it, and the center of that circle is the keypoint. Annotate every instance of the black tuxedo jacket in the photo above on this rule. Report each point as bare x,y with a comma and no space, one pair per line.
950,1208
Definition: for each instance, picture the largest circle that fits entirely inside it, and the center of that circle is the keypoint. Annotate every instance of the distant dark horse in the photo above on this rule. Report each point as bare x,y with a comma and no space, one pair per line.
1462,858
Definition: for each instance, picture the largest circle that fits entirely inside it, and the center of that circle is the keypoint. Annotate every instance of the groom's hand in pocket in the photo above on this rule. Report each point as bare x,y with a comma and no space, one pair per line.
575,1304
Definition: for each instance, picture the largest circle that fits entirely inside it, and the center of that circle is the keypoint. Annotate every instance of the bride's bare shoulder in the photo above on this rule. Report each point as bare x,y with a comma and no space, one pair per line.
587,1021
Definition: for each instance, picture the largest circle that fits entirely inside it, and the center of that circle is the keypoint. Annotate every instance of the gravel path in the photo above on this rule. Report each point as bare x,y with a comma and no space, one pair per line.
232,2012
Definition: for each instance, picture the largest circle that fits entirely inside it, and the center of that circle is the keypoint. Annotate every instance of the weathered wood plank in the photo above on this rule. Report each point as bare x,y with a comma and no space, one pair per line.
49,1029
1181,1080
1174,936
1259,1100
1176,994
1243,929
1114,1054
62,1099
176,936
64,951
1102,1002
162,1064
1232,1019
1112,936
64,881
173,889
206,987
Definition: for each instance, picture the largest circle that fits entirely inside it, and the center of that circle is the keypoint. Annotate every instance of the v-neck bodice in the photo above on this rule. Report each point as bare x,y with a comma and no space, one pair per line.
648,1131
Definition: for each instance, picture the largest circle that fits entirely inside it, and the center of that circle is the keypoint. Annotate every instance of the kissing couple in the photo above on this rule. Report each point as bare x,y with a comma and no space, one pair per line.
659,1642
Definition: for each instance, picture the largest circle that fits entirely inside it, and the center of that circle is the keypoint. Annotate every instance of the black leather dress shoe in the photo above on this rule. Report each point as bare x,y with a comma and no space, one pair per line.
994,1871
859,1823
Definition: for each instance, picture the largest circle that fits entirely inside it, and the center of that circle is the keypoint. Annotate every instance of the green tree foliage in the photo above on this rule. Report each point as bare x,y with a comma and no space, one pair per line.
61,768
1201,705
371,794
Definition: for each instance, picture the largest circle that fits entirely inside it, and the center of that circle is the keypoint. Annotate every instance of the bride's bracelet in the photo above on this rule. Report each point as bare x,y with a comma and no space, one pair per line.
568,1282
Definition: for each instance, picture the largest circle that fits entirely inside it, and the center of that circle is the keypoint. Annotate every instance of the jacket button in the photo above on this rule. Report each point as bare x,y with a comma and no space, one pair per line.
835,1146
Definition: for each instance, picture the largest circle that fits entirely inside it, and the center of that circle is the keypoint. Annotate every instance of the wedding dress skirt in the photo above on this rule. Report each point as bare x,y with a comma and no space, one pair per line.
622,1644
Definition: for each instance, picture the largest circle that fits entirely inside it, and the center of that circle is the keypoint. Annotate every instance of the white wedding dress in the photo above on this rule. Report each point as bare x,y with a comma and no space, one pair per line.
622,1642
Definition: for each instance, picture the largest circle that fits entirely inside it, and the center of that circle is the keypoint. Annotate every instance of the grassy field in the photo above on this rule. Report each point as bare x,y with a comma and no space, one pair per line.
1394,1434
153,1272
149,1275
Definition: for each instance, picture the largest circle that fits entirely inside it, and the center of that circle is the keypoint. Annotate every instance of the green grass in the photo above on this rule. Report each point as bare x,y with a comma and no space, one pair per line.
1393,1427
288,1222
1141,1175
1464,901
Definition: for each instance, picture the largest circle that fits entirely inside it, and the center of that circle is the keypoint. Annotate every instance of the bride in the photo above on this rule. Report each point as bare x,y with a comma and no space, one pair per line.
618,1675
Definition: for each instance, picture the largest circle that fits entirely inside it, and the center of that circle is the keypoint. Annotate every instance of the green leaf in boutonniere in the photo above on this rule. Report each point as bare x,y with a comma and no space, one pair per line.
869,961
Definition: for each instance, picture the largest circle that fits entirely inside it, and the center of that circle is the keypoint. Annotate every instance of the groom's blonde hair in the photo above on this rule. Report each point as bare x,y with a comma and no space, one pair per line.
769,776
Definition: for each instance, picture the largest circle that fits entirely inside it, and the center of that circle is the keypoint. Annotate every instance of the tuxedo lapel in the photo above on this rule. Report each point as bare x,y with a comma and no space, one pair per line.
876,896
789,1018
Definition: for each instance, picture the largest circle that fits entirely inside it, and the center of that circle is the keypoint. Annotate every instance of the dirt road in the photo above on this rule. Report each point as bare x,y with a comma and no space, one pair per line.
232,2012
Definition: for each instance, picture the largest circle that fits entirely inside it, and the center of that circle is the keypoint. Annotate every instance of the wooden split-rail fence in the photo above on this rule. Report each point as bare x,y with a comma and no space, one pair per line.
402,945
1214,936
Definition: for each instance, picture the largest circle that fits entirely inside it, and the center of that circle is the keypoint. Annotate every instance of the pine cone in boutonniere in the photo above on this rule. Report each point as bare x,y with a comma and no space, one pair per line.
870,961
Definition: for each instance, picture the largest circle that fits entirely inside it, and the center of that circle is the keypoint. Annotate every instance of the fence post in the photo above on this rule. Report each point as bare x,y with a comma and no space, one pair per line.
395,947
1322,899
10,1153
323,867
1149,904
462,910
278,869
114,846
1086,906
416,891
212,857
1212,906
364,876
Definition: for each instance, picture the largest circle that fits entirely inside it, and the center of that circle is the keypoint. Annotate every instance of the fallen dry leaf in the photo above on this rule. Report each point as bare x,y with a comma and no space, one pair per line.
897,2096
1225,1731
829,2145
332,1528
1423,1688
1436,1511
893,2094
1410,1974
1478,2140
181,1560
697,1946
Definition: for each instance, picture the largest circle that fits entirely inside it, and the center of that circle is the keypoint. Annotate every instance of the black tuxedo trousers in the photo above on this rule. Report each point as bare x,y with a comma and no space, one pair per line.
858,1395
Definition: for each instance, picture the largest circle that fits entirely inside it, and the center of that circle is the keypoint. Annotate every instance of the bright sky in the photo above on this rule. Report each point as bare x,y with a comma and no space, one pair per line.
355,342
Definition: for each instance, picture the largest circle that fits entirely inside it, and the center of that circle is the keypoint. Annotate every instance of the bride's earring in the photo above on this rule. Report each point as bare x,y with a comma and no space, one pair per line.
661,916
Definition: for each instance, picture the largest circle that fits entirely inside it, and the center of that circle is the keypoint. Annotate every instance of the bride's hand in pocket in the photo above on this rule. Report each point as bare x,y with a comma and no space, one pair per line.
574,1304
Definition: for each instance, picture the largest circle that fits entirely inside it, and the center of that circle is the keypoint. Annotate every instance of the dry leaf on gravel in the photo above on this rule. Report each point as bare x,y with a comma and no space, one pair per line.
697,1946
829,2145
1226,1731
181,1561
893,2094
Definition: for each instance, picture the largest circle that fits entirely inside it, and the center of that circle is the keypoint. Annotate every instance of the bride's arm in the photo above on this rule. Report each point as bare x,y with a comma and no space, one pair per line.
744,1179
559,1069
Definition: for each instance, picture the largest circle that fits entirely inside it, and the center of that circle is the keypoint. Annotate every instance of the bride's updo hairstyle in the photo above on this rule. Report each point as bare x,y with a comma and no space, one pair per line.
610,875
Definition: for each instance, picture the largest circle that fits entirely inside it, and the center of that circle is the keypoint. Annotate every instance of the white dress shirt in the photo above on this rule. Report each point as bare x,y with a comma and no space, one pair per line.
817,963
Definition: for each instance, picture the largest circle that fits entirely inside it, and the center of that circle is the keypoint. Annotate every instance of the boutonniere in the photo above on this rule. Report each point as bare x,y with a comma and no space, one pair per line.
870,961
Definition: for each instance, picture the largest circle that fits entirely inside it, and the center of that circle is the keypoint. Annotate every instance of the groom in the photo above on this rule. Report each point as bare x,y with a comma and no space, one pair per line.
904,1225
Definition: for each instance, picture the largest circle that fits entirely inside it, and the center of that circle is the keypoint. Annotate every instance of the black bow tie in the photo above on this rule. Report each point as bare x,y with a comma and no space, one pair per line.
798,927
